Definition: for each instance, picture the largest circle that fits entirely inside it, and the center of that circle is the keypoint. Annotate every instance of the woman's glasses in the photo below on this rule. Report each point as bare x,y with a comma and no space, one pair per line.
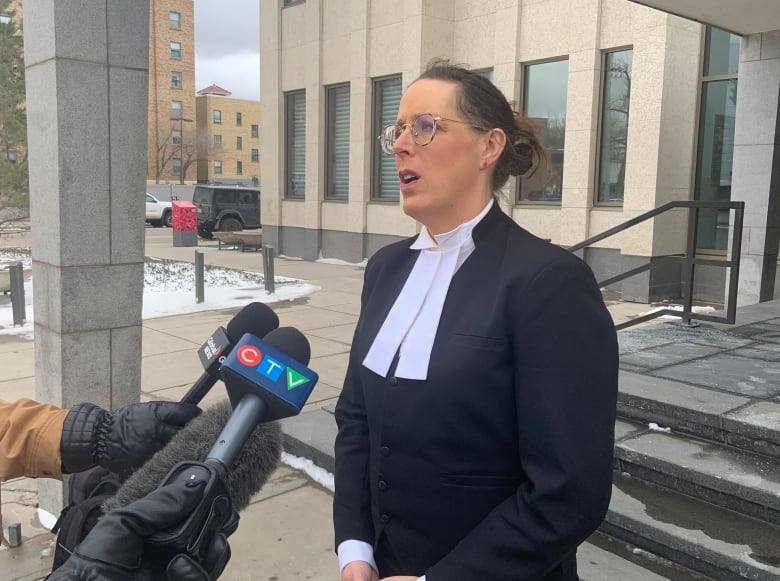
423,129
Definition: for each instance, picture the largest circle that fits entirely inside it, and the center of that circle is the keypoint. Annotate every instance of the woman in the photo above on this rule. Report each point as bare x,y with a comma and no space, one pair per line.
476,421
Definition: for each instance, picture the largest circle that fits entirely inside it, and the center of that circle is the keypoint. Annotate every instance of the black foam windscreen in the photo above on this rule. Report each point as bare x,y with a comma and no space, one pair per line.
257,460
290,341
255,318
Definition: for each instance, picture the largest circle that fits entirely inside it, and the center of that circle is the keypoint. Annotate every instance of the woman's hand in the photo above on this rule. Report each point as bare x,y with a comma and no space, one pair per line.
361,571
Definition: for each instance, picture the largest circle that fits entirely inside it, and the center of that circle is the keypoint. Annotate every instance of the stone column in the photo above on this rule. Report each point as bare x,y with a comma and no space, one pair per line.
756,167
86,68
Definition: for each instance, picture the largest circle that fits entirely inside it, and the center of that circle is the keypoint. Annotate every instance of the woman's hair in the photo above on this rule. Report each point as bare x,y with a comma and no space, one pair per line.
483,105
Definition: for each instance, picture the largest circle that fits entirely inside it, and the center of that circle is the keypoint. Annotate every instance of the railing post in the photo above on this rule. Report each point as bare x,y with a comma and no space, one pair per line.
689,267
268,268
16,272
736,257
199,277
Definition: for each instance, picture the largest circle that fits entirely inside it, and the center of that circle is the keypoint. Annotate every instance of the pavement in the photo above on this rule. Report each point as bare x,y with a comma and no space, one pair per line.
285,533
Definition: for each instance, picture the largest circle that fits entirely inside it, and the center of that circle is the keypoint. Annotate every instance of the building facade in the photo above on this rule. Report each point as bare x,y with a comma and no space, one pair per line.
171,145
637,107
228,132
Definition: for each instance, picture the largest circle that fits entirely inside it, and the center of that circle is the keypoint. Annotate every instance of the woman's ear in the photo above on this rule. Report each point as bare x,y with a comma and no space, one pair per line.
494,147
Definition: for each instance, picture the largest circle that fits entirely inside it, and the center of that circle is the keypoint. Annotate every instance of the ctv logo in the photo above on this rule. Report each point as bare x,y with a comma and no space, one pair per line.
269,367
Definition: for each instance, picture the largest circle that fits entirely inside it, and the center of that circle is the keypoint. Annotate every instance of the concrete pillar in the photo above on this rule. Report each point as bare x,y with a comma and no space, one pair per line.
86,68
756,168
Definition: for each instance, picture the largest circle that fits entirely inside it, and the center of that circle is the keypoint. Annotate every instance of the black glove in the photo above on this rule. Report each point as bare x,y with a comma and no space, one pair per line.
116,548
122,440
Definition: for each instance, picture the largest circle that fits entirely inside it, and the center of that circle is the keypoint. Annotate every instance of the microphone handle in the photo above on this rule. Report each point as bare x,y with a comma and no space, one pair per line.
200,388
242,422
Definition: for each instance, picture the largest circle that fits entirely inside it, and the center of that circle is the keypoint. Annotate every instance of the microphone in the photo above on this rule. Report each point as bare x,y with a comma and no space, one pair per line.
264,383
255,318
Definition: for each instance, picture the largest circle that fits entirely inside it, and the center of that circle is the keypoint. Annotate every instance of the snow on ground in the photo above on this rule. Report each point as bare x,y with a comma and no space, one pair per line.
169,289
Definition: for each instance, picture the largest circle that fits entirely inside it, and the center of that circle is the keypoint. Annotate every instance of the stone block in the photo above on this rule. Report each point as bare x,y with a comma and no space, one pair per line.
128,35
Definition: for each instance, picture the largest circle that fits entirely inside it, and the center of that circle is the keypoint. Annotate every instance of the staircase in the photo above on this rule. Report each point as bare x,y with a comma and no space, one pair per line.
697,451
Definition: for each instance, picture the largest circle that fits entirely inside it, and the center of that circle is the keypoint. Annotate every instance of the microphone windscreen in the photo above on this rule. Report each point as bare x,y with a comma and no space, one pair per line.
290,341
255,318
258,459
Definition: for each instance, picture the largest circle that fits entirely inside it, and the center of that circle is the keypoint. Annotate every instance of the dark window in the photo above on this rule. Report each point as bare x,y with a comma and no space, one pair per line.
255,130
544,101
239,142
255,155
615,100
387,97
176,137
216,116
295,139
175,80
238,118
715,145
176,50
217,141
239,167
177,166
337,101
217,166
226,197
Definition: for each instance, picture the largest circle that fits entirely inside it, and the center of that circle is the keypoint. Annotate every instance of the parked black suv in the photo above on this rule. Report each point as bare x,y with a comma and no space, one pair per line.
226,208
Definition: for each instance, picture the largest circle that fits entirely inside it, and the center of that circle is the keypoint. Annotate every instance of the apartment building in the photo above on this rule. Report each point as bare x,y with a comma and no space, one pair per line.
171,145
228,138
637,106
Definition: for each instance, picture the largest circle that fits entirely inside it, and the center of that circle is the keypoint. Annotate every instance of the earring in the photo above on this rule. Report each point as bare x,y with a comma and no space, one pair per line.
484,164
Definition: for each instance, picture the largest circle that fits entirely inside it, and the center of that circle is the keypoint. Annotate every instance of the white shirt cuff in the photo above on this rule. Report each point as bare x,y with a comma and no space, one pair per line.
354,550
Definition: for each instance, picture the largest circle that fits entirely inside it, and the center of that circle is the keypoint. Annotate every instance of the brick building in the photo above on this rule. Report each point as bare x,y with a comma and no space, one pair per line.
228,137
171,151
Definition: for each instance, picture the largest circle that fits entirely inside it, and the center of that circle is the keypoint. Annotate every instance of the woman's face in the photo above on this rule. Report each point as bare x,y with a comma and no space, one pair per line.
444,183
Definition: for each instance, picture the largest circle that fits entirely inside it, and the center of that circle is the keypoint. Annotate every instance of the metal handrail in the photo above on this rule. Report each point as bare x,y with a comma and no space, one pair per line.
688,260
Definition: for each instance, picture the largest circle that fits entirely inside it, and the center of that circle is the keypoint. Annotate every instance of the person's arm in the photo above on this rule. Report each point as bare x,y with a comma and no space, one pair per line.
30,435
42,440
566,367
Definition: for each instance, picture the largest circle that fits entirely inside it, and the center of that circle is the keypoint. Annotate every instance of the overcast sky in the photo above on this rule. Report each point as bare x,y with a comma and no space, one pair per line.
227,46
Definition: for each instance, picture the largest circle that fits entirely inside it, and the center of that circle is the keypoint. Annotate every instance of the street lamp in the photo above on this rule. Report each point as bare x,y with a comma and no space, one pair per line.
181,121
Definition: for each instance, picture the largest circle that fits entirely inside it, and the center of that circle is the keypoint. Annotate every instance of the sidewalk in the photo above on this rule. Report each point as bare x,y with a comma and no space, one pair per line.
286,532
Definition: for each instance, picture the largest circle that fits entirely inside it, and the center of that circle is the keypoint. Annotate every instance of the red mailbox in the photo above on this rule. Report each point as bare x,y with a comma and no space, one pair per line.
185,223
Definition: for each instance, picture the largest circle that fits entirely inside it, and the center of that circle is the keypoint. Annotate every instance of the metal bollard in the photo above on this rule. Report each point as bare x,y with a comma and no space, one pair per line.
17,294
199,277
268,268
13,534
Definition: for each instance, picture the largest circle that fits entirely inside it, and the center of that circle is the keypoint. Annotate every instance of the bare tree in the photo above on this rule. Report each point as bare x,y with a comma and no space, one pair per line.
169,148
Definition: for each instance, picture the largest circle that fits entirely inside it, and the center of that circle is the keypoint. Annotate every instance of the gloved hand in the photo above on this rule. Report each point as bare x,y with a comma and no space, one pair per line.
122,440
116,548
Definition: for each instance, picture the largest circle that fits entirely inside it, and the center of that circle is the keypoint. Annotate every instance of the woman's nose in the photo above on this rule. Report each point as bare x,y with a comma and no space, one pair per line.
404,143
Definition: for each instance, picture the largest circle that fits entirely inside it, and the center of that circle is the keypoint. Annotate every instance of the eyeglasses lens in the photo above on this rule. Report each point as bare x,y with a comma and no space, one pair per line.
423,129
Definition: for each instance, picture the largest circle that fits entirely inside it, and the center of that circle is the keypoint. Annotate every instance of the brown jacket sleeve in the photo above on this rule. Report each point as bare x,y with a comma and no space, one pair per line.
30,435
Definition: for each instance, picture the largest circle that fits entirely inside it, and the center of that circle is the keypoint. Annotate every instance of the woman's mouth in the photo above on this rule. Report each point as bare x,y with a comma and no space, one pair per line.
407,177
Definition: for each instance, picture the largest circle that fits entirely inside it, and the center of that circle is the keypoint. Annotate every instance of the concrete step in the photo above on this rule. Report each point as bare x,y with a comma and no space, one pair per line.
743,422
708,539
741,481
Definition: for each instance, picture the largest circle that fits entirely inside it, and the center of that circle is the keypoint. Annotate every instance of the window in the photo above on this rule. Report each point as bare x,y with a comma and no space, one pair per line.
217,166
176,137
217,140
216,116
175,80
295,137
255,155
174,21
255,130
177,166
238,118
487,73
176,50
239,167
176,110
239,143
615,101
387,97
337,145
544,101
715,146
